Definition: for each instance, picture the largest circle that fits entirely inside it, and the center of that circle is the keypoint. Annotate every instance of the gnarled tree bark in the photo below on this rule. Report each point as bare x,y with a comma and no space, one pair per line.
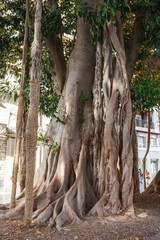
91,170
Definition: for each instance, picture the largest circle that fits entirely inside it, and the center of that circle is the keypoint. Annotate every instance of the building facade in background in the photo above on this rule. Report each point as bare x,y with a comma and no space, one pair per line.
153,157
8,114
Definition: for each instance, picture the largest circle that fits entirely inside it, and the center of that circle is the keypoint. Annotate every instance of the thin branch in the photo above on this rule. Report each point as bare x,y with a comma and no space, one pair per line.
133,17
147,150
149,124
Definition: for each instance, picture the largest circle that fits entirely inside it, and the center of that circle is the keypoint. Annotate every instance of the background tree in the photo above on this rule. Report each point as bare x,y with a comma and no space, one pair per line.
146,94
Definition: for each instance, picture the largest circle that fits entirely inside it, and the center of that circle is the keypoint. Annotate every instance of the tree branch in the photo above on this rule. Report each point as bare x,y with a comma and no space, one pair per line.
134,46
121,60
55,45
119,28
115,41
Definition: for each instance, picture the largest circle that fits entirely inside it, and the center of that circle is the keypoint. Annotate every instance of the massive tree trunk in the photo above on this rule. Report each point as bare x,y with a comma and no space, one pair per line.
20,114
32,122
91,170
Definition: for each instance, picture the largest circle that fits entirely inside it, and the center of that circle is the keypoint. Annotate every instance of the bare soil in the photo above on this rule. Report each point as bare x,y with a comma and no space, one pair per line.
121,227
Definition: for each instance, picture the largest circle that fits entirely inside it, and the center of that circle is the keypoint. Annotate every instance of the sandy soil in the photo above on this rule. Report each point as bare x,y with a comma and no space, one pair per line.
121,227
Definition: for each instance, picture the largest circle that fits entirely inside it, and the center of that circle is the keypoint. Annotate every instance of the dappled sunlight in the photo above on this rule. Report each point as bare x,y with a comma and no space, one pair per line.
142,215
61,170
113,218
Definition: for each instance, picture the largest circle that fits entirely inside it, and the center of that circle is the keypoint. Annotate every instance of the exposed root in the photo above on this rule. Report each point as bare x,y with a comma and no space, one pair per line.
130,212
99,207
39,211
70,211
45,215
17,212
71,206
58,207
4,207
67,215
154,186
105,206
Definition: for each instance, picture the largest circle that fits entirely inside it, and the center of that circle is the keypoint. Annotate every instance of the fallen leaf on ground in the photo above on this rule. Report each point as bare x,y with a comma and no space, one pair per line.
37,231
137,238
102,223
75,237
77,226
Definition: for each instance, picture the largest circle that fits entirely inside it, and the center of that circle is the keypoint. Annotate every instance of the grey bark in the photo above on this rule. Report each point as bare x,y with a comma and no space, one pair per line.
21,104
32,122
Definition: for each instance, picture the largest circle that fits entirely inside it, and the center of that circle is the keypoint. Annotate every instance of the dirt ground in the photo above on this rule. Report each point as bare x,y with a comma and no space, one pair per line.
121,227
